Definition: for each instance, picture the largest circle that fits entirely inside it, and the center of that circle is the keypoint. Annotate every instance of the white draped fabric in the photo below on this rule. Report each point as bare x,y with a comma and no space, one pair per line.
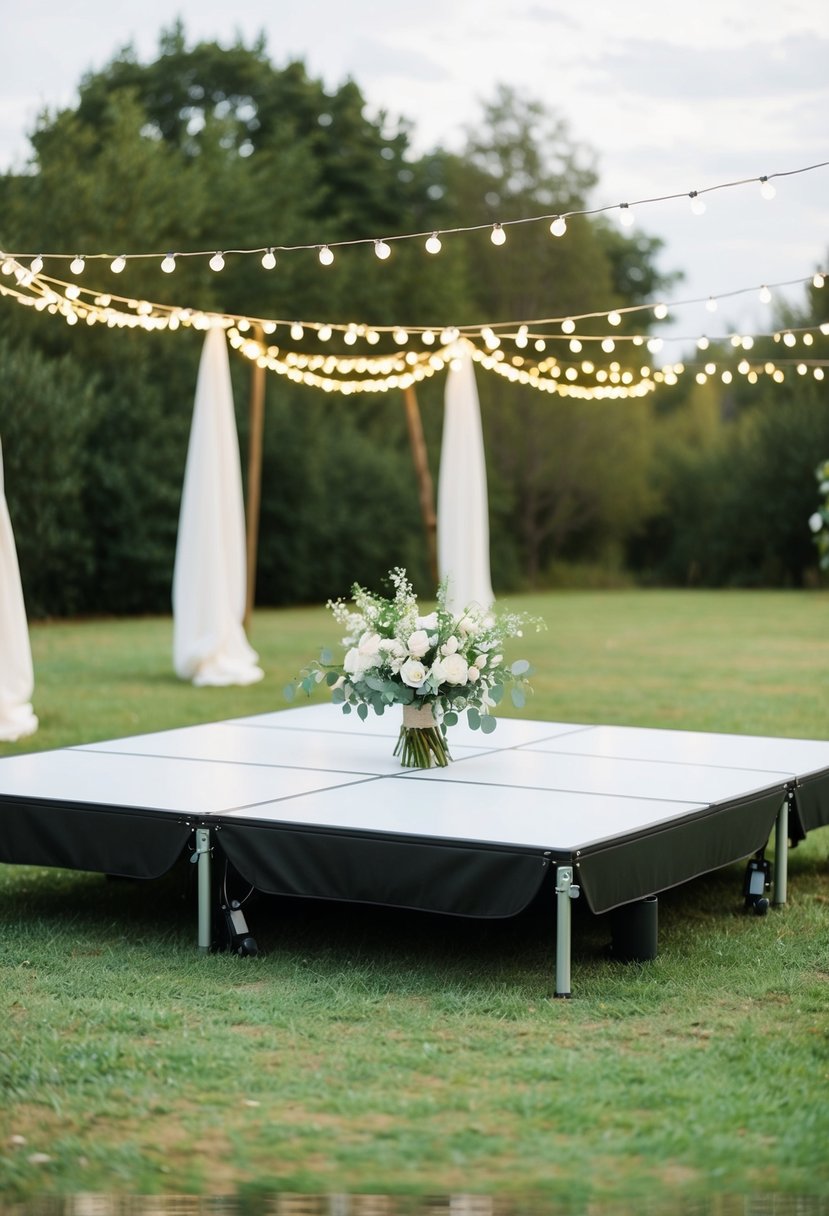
463,508
17,681
209,580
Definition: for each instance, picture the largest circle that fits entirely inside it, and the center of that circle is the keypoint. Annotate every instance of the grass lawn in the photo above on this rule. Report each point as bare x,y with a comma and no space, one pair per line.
375,1051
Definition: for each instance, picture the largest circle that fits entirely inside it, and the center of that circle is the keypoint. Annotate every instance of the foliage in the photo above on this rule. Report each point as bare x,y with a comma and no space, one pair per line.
819,520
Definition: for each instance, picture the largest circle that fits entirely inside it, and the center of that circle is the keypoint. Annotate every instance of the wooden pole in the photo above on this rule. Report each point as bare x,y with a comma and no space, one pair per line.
424,478
254,496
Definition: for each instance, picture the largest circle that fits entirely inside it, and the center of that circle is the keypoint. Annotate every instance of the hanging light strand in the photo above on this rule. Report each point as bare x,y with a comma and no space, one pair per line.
432,237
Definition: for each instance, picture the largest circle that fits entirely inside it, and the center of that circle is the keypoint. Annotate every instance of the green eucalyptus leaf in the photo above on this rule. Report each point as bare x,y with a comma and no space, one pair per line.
488,724
473,717
450,719
346,708
518,698
520,667
331,678
289,692
337,696
497,693
362,711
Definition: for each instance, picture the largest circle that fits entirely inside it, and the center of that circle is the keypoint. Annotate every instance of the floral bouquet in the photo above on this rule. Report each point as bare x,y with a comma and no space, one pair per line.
435,666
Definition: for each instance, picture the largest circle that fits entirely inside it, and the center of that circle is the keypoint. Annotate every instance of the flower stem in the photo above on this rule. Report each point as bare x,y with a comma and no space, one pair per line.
421,747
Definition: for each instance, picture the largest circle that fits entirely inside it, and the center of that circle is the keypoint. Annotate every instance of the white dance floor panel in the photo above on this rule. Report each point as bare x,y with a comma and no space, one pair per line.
312,802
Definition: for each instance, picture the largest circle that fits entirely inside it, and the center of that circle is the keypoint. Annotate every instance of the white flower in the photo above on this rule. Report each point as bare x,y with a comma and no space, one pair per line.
468,624
438,672
473,674
450,646
356,664
496,659
369,644
816,521
428,622
480,661
418,643
455,669
413,673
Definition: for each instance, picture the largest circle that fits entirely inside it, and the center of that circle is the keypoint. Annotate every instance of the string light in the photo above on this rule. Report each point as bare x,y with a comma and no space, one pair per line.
37,264
767,190
326,257
433,244
711,304
558,226
497,236
217,262
169,263
697,204
268,259
118,264
626,217
613,318
77,264
764,295
382,249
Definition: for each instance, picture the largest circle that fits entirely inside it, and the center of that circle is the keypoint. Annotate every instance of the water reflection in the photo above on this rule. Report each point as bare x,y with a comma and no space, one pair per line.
290,1204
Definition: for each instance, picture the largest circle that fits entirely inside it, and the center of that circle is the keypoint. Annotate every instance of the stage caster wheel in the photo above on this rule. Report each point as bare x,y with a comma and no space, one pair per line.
247,947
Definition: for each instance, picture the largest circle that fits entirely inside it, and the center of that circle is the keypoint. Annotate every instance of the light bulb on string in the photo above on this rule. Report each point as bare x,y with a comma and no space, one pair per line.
433,244
324,333
558,226
575,345
382,250
37,265
297,332
702,343
427,337
697,204
568,325
269,327
77,265
626,217
540,344
118,264
660,311
400,336
169,263
711,304
764,295
767,190
325,255
817,281
268,259
497,236
217,262
350,336
789,339
608,345
614,318
72,292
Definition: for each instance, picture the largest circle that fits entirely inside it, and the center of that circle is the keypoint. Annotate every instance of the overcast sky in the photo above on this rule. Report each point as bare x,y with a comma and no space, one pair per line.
672,96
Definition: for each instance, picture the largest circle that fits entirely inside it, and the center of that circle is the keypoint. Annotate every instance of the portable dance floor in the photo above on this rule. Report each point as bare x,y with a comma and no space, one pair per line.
310,802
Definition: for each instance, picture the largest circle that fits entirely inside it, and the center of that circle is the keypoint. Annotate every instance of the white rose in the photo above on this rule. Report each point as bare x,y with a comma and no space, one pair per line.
480,661
468,624
355,664
473,674
816,521
496,659
450,646
455,669
418,643
369,644
413,673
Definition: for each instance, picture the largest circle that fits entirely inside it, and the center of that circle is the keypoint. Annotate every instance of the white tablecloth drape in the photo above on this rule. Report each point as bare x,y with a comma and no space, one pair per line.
209,579
463,507
17,681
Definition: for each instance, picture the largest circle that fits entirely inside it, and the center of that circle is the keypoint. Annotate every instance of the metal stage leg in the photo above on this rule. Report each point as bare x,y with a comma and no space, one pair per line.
781,853
565,891
203,855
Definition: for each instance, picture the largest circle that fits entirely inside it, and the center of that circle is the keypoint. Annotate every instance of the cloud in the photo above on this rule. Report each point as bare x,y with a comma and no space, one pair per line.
757,69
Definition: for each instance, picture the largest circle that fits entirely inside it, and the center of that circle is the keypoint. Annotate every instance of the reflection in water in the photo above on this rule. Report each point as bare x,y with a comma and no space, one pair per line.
291,1204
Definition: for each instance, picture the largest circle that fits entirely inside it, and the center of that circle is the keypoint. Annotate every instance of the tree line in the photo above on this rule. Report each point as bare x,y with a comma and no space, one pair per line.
216,147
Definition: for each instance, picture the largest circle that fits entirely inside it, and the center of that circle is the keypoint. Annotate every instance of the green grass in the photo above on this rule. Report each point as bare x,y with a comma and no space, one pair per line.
372,1050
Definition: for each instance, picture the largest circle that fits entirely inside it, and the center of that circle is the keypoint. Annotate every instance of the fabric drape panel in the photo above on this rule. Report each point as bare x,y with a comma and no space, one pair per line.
209,642
17,681
463,507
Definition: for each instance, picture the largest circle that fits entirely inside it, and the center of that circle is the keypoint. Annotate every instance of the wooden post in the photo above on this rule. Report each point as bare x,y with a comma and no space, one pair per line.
424,478
254,496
